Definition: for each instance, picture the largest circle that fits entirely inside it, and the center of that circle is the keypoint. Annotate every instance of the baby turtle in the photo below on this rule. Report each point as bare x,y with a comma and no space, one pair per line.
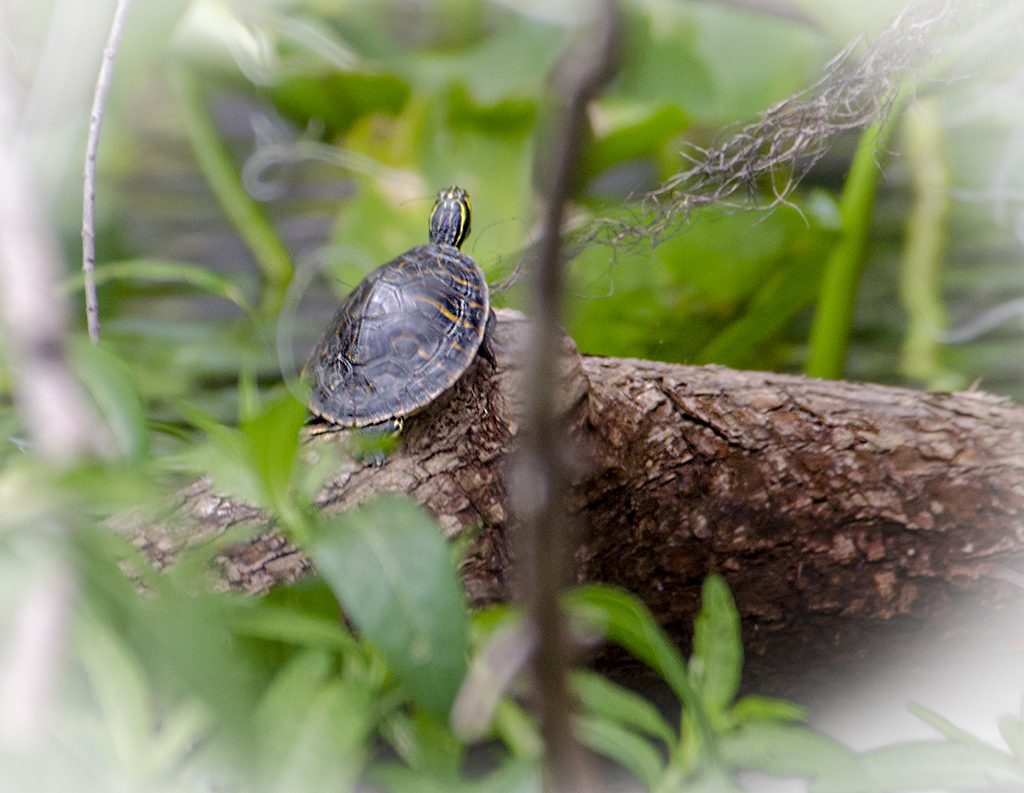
407,332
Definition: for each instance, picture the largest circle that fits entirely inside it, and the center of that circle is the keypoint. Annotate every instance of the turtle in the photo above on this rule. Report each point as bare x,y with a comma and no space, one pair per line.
407,332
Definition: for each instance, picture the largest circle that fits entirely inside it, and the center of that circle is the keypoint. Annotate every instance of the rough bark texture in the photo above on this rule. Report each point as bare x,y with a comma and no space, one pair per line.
830,507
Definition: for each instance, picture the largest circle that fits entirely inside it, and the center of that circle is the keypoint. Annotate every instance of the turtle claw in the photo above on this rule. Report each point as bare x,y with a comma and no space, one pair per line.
375,442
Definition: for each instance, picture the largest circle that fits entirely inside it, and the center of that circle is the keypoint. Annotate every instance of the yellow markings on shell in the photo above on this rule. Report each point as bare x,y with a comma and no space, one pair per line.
448,315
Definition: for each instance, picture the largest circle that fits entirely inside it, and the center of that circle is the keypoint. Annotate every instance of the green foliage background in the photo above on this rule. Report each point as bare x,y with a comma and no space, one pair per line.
258,158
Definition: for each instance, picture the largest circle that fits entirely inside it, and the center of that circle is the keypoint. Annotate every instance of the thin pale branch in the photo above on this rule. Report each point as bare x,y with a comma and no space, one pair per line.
99,99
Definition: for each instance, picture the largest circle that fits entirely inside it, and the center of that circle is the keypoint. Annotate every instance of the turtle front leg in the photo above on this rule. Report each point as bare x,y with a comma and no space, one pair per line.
373,444
486,349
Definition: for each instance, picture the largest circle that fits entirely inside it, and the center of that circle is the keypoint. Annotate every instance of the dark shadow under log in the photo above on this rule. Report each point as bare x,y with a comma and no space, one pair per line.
836,511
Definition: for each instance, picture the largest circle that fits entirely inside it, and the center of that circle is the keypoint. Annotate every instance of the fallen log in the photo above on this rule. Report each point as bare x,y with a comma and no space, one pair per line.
828,506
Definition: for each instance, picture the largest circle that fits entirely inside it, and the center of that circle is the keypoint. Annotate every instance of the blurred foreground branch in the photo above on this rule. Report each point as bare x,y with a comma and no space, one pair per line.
57,416
540,474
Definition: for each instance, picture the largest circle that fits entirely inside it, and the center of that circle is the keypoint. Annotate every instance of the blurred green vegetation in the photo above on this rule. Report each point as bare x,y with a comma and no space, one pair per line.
258,158
253,141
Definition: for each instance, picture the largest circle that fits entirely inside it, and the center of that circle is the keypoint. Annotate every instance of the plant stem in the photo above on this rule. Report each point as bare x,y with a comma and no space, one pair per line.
246,215
924,248
830,333
99,99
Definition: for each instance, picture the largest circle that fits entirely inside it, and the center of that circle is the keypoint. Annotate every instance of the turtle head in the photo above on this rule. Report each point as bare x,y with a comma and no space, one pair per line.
449,222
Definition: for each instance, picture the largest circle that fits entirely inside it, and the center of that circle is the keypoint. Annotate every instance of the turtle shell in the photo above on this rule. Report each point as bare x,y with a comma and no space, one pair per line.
404,335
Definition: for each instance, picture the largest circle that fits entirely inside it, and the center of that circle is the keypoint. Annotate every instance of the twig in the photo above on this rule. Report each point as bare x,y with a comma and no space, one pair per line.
99,99
540,477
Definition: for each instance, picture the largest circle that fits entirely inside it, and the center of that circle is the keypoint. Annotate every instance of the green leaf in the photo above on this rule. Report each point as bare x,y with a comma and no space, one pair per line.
752,60
641,131
711,780
755,708
717,660
513,776
628,622
249,401
282,624
256,462
936,764
791,751
176,632
292,687
119,688
338,98
224,457
613,702
518,730
425,744
272,444
1013,733
110,384
312,728
389,567
126,714
790,287
631,751
950,730
164,271
402,779
659,49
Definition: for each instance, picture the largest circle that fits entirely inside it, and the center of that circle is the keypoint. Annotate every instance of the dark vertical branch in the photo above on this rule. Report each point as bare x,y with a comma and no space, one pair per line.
540,477
92,309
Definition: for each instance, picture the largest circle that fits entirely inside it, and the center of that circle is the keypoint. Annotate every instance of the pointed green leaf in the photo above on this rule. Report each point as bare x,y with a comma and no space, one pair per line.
791,751
518,730
312,728
628,622
604,698
425,743
389,567
755,708
110,384
272,441
282,624
160,270
945,727
631,751
118,685
1013,733
717,660
937,765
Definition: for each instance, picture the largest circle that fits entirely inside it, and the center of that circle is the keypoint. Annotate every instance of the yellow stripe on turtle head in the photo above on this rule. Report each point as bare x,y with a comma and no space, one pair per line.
450,218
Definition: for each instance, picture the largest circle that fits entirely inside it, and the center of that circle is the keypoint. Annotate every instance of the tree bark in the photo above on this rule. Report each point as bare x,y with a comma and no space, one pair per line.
828,506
